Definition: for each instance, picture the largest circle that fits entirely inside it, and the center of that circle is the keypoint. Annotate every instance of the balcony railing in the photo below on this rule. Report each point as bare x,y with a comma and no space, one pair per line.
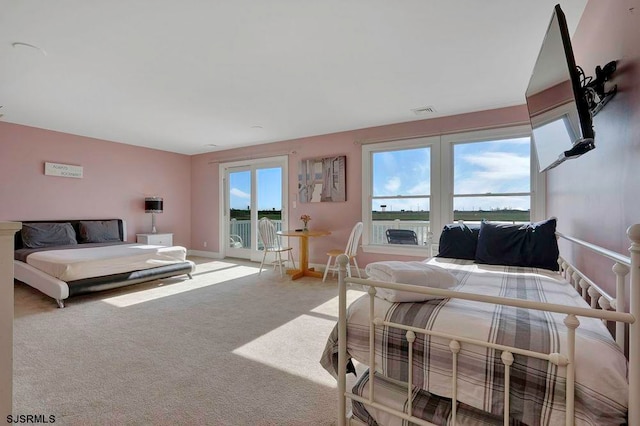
240,231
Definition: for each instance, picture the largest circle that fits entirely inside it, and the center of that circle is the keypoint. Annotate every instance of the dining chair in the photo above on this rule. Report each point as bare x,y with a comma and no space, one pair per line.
271,244
401,236
351,251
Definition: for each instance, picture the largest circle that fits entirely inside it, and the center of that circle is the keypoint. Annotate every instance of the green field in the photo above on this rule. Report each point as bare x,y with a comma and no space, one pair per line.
478,215
246,214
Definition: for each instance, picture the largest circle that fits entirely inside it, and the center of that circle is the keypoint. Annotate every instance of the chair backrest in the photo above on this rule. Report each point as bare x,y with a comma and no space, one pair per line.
267,231
401,236
352,244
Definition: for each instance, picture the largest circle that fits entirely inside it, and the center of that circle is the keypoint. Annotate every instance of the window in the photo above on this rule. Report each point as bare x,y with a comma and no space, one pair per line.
401,177
492,180
422,184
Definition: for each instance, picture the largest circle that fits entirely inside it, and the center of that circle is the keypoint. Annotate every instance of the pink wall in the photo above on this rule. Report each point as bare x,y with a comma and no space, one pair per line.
597,196
338,217
116,179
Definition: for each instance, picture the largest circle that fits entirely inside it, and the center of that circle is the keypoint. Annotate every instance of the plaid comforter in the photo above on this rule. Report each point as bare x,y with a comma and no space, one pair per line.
537,393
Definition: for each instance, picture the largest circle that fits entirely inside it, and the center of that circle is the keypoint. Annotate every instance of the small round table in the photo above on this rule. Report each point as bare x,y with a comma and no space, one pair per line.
303,261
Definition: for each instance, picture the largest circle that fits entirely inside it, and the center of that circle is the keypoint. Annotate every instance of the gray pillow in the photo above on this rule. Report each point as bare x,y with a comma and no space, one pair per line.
99,231
36,235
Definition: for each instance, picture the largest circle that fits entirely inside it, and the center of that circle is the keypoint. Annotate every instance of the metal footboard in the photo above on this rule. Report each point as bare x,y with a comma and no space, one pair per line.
622,267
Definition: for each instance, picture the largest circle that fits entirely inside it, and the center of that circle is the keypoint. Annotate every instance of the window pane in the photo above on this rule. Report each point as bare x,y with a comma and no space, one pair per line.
269,193
492,167
394,213
496,209
402,172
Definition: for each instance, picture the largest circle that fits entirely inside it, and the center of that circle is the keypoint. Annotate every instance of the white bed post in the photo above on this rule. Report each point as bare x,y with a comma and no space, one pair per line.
621,272
634,329
342,260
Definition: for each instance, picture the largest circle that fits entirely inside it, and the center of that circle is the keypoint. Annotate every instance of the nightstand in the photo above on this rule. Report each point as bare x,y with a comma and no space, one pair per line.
155,239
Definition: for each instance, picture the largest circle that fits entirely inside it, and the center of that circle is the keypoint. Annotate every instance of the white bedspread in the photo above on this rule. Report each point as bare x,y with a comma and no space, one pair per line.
75,264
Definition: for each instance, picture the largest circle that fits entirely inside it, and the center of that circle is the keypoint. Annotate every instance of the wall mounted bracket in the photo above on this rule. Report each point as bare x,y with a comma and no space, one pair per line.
594,89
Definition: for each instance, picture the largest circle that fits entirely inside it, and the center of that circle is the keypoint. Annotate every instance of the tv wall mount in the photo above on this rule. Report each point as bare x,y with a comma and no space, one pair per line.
593,89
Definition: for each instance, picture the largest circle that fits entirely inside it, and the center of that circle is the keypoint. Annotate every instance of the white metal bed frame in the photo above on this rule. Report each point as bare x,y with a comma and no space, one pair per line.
622,267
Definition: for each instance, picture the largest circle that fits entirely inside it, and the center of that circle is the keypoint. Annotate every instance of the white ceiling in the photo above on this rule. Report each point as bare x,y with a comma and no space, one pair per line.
182,75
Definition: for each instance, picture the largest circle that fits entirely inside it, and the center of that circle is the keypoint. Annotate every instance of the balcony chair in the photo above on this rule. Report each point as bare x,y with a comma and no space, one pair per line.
401,236
235,241
351,251
271,244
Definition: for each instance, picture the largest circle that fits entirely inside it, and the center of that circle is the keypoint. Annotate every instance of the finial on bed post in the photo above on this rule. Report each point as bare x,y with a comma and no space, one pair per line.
633,232
342,260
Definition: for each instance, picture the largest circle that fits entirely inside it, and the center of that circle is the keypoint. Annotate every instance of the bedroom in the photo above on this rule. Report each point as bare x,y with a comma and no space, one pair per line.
595,197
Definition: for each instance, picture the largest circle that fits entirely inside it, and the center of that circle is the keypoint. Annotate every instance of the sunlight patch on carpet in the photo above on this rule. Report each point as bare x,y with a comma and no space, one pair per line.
295,348
331,306
221,276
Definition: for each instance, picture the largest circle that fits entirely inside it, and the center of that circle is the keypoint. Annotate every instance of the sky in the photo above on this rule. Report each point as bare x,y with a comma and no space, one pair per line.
479,168
269,185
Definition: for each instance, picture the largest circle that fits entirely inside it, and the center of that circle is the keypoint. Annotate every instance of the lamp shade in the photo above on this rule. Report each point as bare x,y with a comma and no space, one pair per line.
153,205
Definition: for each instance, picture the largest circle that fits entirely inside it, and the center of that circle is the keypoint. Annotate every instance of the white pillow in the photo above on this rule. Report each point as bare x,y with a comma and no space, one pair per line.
415,273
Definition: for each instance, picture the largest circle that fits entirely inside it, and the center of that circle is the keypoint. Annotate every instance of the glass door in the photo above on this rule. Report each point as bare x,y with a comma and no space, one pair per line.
252,190
238,218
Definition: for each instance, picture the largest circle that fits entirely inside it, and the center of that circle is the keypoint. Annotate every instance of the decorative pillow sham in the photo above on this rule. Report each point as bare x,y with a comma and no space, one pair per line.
532,245
47,234
99,231
413,272
459,241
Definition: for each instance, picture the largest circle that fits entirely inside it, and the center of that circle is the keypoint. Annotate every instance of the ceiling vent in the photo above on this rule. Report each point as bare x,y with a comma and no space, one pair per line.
424,110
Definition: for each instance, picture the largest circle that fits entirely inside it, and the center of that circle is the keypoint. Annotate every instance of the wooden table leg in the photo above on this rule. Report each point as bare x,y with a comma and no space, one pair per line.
303,260
304,270
304,254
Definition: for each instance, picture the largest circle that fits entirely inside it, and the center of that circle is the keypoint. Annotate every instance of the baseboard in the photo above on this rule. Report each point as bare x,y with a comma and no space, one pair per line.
201,253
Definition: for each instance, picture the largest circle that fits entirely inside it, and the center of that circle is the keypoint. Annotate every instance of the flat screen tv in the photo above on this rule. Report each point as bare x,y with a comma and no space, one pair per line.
558,110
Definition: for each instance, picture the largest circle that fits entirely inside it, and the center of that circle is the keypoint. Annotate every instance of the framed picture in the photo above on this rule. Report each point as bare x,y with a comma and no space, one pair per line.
322,179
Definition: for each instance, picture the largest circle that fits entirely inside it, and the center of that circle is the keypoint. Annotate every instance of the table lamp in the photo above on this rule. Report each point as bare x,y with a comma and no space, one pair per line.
153,205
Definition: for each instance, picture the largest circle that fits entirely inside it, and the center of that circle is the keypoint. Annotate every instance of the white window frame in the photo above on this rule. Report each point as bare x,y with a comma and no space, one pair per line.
441,197
433,142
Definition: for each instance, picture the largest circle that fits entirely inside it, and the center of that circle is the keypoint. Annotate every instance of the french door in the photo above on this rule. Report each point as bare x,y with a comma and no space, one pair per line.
251,190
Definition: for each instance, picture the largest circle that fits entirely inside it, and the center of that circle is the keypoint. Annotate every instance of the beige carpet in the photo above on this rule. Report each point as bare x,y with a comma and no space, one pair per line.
226,348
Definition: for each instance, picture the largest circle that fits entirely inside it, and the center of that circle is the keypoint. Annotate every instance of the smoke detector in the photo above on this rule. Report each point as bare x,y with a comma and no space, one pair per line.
424,110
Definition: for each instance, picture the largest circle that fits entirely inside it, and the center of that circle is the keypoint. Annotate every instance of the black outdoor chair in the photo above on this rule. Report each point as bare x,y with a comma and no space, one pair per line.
401,236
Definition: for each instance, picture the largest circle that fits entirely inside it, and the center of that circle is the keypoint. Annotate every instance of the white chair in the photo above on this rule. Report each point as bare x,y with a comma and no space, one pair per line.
351,251
235,241
271,244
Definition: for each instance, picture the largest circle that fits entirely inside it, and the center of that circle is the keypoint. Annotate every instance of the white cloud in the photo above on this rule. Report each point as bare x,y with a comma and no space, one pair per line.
423,187
240,194
500,165
494,172
392,185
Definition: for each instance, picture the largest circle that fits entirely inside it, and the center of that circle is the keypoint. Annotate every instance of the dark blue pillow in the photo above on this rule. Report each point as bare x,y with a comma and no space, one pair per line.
459,241
532,245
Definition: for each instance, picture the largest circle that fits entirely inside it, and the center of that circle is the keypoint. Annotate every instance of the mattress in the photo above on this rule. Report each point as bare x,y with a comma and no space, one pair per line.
537,393
80,262
432,408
